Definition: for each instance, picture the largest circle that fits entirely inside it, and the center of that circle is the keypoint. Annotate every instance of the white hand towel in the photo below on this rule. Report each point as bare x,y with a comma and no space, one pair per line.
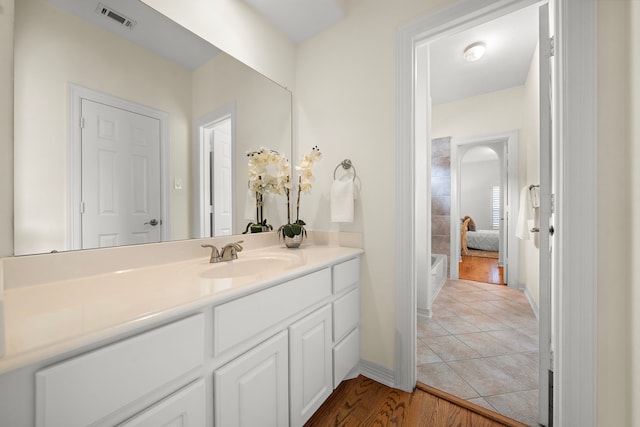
525,215
342,201
250,205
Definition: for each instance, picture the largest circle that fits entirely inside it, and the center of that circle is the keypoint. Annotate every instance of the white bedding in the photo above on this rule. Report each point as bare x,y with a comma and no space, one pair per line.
484,240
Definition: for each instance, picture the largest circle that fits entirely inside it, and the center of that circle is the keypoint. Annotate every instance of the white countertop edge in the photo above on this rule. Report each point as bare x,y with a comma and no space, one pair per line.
94,339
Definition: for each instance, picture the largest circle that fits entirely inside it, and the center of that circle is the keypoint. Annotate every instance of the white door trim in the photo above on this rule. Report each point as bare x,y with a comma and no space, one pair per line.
75,94
574,307
510,139
200,167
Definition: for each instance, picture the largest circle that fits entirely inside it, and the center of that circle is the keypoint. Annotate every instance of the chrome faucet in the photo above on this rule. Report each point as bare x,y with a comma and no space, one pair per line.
215,255
230,251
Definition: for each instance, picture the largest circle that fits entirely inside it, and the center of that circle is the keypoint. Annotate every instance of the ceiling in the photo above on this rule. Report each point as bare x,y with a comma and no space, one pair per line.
152,30
300,20
511,41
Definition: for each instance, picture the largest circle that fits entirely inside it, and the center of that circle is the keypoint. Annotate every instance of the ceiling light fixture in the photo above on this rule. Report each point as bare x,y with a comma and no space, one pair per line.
474,51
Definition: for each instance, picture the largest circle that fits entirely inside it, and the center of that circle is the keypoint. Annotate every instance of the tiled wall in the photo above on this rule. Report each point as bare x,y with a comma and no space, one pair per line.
441,197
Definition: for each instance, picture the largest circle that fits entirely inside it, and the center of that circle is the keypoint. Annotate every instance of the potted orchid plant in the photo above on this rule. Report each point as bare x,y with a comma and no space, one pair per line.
268,173
293,232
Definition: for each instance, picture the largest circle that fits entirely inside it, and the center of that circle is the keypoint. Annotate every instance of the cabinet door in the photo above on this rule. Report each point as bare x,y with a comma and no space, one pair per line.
310,372
186,408
253,390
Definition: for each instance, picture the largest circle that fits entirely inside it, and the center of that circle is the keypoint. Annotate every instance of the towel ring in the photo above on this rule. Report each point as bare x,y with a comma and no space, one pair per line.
346,165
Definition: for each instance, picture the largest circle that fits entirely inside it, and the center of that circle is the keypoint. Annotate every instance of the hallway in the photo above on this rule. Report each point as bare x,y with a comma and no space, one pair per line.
482,345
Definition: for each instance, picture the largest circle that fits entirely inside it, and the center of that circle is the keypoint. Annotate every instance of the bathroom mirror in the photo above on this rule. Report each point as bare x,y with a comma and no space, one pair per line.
130,129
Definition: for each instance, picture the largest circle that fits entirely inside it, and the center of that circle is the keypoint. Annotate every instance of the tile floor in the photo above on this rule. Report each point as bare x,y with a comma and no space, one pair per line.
482,345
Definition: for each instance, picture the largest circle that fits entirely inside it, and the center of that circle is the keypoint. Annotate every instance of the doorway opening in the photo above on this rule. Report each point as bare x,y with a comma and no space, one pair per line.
214,183
575,113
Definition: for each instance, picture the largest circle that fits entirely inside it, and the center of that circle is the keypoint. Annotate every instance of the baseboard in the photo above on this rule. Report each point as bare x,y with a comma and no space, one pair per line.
377,373
532,302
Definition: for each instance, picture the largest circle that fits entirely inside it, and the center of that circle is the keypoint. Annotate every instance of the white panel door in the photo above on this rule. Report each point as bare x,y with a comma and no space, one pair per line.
120,177
222,179
253,390
311,364
546,228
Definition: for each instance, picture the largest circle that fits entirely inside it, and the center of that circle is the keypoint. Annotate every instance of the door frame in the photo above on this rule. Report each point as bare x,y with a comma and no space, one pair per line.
200,185
75,95
575,112
510,257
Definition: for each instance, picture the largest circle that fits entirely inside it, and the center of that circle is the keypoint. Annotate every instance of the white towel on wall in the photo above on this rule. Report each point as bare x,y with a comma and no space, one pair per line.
250,205
342,195
525,215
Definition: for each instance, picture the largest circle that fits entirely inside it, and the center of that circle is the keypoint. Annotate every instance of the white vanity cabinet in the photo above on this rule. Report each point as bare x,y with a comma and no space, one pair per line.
268,357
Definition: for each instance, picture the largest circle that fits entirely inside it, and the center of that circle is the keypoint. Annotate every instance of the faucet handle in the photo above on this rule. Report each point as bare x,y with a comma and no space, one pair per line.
215,255
230,251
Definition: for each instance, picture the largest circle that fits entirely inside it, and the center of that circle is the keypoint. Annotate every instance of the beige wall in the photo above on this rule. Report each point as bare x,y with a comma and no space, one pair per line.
6,128
42,72
494,112
530,169
346,100
634,280
614,364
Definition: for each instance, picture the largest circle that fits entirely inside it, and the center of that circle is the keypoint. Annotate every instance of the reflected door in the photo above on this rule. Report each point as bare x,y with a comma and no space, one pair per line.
120,177
222,161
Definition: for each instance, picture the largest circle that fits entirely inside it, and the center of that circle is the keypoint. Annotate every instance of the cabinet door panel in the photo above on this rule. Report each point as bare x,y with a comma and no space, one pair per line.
346,314
310,373
252,390
346,356
185,408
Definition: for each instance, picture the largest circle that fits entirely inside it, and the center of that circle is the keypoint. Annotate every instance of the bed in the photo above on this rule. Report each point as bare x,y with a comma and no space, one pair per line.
483,240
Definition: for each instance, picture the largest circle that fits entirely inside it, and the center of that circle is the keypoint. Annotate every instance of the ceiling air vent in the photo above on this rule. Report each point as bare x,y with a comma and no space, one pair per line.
116,16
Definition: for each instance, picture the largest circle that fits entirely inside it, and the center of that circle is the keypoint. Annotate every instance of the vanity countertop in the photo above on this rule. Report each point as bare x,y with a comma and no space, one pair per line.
49,319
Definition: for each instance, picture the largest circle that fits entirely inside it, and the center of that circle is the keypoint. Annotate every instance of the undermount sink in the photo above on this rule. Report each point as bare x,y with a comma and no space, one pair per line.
255,265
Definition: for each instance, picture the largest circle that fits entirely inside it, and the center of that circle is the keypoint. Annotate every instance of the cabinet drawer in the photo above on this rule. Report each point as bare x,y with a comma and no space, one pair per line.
346,356
85,389
239,320
346,274
346,314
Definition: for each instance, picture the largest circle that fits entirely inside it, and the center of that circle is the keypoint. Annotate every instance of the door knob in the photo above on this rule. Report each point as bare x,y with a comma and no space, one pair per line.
551,230
153,222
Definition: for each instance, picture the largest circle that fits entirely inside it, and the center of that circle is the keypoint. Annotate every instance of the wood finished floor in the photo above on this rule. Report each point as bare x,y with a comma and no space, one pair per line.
364,402
480,269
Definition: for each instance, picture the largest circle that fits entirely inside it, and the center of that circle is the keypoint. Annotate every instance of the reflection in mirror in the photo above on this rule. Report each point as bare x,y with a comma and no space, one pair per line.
129,129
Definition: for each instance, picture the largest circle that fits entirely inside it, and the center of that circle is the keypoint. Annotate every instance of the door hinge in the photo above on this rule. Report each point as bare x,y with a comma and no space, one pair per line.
82,206
552,46
553,203
81,122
